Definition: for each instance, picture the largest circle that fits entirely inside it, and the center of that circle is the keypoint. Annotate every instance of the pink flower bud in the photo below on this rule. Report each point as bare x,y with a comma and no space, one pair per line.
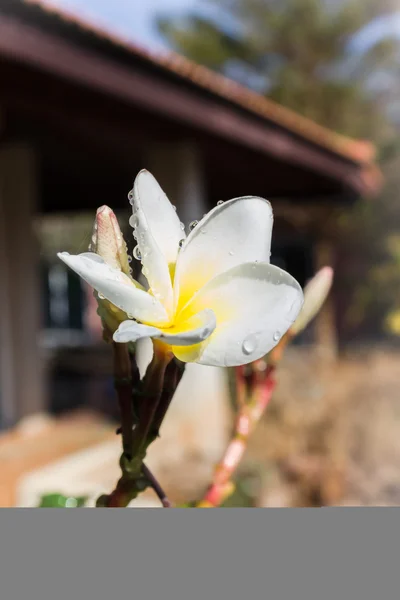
108,241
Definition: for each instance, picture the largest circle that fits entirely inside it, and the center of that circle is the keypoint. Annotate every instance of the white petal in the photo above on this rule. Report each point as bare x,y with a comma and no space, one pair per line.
160,214
144,352
254,303
189,332
235,232
117,287
131,331
158,232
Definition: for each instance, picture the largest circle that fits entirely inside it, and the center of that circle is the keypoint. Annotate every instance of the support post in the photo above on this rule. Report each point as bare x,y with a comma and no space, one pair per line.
178,168
21,368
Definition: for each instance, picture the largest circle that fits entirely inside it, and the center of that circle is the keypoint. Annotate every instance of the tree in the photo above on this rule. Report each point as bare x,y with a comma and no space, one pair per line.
305,54
323,59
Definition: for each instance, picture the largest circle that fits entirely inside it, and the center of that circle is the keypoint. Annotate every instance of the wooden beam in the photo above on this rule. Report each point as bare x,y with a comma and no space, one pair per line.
48,53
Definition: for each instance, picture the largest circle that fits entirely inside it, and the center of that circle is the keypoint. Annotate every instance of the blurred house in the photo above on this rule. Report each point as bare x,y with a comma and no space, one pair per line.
81,112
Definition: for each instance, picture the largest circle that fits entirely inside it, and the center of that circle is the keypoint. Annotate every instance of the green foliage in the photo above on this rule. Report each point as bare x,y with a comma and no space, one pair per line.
61,501
300,53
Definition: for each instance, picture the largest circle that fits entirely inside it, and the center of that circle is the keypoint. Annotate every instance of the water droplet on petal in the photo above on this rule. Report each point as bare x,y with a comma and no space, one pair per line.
203,231
129,258
130,196
231,253
181,242
174,207
220,202
277,336
249,344
129,316
101,296
193,224
133,221
182,226
136,253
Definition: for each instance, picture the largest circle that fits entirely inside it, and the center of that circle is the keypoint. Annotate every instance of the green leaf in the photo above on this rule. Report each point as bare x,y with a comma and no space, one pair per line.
61,501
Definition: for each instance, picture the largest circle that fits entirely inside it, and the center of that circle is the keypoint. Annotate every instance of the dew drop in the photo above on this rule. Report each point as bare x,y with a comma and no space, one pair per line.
231,253
193,224
129,316
182,226
136,253
101,296
249,344
220,202
181,242
133,221
129,258
203,231
277,336
130,196
174,207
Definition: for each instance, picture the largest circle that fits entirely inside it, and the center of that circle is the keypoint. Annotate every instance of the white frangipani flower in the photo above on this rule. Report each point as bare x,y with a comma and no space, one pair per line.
213,297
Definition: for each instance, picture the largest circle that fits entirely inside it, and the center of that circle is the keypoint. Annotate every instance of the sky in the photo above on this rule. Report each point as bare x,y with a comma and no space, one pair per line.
134,19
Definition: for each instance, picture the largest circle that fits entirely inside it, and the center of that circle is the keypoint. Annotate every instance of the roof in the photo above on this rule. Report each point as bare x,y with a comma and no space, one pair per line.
357,151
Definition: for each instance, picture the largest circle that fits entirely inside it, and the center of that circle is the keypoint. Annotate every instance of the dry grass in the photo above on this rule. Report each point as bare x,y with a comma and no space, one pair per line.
332,432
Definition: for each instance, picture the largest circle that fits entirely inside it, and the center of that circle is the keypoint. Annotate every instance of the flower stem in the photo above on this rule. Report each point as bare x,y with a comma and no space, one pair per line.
250,412
123,387
173,375
151,391
137,432
156,487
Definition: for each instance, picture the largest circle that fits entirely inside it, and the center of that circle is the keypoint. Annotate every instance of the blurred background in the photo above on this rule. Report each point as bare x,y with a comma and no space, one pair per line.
297,101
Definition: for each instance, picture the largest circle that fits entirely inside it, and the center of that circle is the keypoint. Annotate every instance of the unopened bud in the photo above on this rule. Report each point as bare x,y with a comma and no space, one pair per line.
108,241
315,294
